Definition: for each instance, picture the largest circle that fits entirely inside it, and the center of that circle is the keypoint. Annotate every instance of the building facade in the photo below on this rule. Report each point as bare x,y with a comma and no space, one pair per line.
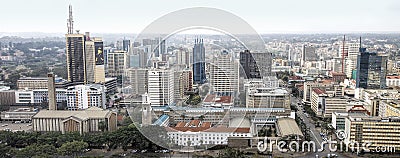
137,79
224,75
392,81
75,47
371,70
380,132
199,65
84,121
267,98
84,96
161,87
117,62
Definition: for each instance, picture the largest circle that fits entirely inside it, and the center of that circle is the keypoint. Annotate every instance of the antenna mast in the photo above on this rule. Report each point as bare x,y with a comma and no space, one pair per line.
70,21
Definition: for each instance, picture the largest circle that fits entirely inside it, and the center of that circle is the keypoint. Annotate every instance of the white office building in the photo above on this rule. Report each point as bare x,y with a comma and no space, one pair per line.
224,75
85,96
161,86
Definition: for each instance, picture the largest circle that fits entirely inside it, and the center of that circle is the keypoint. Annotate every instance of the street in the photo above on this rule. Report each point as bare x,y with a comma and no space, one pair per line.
314,133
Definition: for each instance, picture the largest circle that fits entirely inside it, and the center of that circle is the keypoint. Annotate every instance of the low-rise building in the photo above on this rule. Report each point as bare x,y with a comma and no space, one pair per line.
392,81
199,133
324,103
93,119
379,131
389,108
267,98
85,96
20,114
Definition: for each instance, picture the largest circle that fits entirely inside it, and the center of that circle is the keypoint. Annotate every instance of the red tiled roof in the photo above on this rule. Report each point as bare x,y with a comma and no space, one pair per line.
208,129
224,99
295,78
209,98
194,123
327,81
393,77
318,91
180,124
206,124
337,74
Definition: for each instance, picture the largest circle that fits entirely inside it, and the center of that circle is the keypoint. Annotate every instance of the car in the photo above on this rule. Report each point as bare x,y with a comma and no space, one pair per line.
134,151
4,125
29,124
143,151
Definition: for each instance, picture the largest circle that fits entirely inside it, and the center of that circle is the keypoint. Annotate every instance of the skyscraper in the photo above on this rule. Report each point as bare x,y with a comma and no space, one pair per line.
99,68
85,58
224,75
161,86
199,65
126,45
182,57
371,70
249,65
160,48
309,54
75,44
117,62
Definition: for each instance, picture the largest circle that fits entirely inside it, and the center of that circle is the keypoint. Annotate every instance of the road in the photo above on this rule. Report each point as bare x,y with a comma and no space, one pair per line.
314,133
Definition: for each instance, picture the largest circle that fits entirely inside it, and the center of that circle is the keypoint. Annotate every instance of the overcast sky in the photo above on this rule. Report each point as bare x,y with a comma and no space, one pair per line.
266,16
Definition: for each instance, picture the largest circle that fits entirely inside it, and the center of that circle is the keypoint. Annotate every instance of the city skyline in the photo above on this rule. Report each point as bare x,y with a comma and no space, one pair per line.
266,17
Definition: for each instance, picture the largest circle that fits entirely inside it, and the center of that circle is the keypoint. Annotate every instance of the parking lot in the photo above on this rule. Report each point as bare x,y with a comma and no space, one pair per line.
11,126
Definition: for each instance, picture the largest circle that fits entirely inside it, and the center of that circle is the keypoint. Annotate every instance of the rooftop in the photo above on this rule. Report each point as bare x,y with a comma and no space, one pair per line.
92,112
318,91
288,126
393,77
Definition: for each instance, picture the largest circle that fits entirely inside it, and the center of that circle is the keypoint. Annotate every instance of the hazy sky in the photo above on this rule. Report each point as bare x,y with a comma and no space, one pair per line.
266,16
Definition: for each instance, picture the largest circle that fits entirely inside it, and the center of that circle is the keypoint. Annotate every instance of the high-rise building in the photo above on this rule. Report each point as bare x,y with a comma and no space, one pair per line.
350,52
224,75
117,62
371,70
137,79
161,86
99,68
249,65
183,83
75,44
182,57
139,56
199,65
263,62
160,48
85,58
126,45
309,54
85,96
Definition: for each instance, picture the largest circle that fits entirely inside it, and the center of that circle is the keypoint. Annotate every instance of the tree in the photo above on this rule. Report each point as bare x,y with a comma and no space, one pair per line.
230,153
5,151
72,148
37,150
